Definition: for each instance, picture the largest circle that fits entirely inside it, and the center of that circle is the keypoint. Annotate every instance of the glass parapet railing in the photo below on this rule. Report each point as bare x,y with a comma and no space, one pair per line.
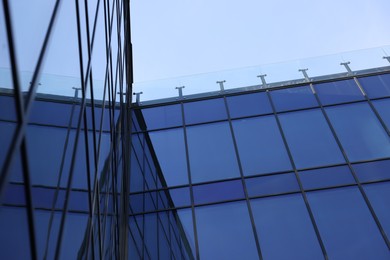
284,73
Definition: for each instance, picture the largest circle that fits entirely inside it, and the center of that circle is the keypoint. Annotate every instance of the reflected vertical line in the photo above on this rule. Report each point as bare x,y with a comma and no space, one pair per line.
21,122
303,193
251,217
360,187
190,182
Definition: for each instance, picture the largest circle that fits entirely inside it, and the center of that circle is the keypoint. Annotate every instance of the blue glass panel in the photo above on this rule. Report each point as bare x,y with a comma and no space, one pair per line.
346,226
137,203
211,152
74,234
185,222
180,197
204,111
136,175
373,171
293,98
273,184
214,192
225,232
52,113
150,201
163,244
376,86
171,155
379,196
310,140
7,108
7,131
338,92
284,228
360,132
383,108
248,105
162,116
326,177
150,236
260,145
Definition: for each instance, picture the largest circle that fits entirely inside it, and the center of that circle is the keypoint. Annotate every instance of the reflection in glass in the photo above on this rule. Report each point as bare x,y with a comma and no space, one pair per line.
248,105
220,191
260,145
204,111
376,86
358,236
360,132
293,98
372,171
162,116
310,140
225,232
211,152
326,177
338,92
273,184
284,228
383,108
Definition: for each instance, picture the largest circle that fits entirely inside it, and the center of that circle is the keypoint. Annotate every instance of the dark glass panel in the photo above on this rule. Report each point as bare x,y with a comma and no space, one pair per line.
379,197
249,105
150,201
347,227
211,152
326,177
53,113
383,108
7,107
221,191
376,86
180,197
162,116
204,111
171,155
260,145
6,134
372,171
185,224
338,92
360,132
74,235
137,203
309,138
136,174
293,98
150,236
285,229
225,232
273,184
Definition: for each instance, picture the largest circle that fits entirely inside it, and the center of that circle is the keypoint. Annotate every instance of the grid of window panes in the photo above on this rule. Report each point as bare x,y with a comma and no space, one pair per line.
298,172
62,156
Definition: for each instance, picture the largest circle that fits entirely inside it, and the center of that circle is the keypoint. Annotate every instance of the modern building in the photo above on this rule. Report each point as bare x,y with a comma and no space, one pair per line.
297,169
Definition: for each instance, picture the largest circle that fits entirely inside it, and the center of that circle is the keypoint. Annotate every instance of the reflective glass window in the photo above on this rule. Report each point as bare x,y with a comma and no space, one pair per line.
162,116
309,138
170,152
360,132
293,98
338,92
273,184
383,108
225,232
379,196
220,191
7,131
7,108
150,235
376,86
180,197
211,152
284,228
205,111
248,105
326,177
185,221
260,145
372,171
344,221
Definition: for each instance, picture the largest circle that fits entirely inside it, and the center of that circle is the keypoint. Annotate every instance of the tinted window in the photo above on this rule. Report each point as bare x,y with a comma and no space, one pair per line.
349,224
205,111
326,177
273,184
163,116
376,86
185,221
220,191
180,197
225,232
248,105
171,155
310,140
360,132
373,171
211,152
260,145
293,98
338,92
284,228
383,108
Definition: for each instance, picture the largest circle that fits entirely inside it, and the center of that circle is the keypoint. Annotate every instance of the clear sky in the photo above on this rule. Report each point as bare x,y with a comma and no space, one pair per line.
173,38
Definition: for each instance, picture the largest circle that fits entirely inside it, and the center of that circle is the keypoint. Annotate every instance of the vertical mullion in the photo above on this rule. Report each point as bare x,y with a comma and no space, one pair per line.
303,193
253,224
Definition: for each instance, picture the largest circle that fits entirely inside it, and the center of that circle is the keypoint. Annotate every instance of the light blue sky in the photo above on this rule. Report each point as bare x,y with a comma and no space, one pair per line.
173,38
